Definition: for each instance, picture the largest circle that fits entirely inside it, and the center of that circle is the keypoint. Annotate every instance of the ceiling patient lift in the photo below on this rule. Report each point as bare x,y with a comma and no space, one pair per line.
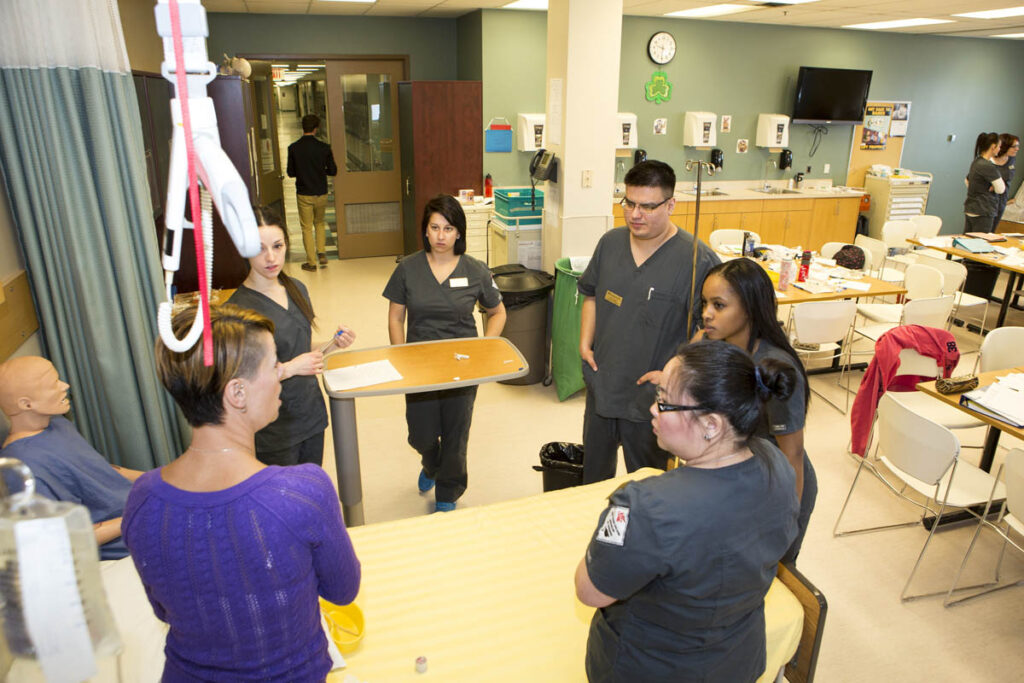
196,158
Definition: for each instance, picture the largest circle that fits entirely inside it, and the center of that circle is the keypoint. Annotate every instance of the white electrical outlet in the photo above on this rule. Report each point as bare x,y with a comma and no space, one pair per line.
588,179
828,167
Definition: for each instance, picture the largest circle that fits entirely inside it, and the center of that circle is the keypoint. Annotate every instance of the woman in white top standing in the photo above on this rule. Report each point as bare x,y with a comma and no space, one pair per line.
1006,160
984,186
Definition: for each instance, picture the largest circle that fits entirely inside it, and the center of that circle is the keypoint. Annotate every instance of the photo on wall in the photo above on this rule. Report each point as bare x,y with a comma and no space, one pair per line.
741,146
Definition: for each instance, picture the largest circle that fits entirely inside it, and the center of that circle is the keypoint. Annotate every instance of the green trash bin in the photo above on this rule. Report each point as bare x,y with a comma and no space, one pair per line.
566,364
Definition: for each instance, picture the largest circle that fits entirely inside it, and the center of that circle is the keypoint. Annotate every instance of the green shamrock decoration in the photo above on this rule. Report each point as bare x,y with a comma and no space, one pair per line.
658,88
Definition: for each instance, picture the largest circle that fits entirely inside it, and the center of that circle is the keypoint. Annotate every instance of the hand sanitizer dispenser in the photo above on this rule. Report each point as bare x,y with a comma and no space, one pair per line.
625,131
699,129
531,132
772,131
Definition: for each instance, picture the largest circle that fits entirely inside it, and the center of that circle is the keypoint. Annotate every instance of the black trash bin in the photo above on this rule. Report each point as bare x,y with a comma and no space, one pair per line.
525,293
562,465
981,278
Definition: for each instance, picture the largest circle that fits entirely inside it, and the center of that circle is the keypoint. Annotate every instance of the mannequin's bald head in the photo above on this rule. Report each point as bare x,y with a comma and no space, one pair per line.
31,386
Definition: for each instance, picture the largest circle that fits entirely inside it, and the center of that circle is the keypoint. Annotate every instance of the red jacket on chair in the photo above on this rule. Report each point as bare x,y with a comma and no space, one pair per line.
881,373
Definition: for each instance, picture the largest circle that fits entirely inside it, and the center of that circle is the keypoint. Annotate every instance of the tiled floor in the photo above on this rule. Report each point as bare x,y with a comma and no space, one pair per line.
869,635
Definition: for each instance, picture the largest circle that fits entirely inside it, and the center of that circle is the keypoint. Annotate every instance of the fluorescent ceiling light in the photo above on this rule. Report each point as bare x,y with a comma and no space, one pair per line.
281,66
1009,35
900,23
311,66
527,4
994,13
712,11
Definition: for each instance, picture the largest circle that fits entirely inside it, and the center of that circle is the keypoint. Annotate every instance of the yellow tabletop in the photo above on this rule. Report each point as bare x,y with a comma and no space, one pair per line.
432,365
984,379
795,295
486,593
992,258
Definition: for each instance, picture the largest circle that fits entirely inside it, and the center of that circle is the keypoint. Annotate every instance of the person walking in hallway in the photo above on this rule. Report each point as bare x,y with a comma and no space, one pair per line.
310,161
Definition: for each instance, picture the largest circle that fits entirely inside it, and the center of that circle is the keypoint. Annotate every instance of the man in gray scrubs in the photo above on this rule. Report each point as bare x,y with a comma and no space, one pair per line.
636,297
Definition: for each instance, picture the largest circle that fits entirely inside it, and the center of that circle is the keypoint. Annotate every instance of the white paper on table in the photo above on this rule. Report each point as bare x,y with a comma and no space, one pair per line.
361,375
1015,381
827,262
50,601
814,286
853,284
936,241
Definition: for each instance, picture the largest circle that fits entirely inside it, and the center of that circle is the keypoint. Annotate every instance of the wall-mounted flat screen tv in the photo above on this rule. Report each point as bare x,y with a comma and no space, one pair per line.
831,95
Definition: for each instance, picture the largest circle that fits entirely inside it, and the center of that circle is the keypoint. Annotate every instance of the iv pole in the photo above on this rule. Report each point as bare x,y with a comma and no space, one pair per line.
710,169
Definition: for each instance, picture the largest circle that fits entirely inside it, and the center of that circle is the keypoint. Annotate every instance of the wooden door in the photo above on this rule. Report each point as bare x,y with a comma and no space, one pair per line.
362,101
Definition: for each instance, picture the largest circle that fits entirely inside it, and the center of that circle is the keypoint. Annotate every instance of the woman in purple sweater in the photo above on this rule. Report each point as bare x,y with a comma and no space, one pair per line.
232,553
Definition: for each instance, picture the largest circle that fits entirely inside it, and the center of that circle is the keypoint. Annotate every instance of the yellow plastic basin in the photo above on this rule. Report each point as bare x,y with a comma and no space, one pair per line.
346,624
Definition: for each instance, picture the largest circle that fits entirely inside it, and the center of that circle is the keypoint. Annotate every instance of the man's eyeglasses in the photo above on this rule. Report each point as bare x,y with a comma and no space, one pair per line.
645,208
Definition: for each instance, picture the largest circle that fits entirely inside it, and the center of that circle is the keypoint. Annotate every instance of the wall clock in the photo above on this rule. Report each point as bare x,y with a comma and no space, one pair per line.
661,48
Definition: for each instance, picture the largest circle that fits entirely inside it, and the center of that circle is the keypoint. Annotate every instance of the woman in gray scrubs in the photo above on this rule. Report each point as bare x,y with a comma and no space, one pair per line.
436,289
739,307
680,563
984,186
297,435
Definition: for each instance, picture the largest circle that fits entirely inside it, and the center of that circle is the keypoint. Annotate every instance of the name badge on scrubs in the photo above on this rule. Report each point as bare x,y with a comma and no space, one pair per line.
458,282
612,297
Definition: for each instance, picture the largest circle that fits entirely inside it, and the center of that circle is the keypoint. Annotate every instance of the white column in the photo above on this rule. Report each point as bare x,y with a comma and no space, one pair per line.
584,39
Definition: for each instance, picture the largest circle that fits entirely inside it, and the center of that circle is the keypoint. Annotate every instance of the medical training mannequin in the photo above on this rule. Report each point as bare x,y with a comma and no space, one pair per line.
65,466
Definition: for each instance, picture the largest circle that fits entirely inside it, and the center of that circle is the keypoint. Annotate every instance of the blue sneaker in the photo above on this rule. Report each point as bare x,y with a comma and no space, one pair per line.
442,506
425,483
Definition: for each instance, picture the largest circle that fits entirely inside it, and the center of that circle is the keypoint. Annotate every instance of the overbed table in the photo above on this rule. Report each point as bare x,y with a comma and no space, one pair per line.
424,366
991,259
995,427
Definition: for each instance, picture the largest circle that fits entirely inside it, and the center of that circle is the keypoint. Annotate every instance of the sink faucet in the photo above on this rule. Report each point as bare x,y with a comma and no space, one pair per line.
770,164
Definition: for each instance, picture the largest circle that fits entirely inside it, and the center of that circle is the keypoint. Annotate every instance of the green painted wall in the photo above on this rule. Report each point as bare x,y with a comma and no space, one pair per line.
514,45
956,85
469,48
430,43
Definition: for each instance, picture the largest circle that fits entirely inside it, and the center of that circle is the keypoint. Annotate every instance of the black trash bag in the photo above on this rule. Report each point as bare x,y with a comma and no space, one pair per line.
562,465
521,286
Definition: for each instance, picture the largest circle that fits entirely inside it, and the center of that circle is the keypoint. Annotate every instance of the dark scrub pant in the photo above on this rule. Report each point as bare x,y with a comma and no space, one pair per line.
310,450
601,439
439,431
807,498
979,224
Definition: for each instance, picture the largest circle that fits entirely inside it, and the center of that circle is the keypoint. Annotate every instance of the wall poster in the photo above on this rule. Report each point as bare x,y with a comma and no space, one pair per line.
900,119
876,126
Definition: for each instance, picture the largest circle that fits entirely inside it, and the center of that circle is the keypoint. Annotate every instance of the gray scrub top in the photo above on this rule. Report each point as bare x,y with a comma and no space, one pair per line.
441,310
641,316
303,413
782,417
981,201
690,555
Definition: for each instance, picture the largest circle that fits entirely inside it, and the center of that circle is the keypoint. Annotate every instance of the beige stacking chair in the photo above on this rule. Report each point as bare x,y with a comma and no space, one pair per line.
922,457
829,326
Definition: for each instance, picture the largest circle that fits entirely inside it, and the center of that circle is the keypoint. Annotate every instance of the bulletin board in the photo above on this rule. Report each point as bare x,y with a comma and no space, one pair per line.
862,159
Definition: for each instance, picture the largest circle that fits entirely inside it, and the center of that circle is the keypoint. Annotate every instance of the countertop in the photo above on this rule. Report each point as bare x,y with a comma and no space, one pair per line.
734,190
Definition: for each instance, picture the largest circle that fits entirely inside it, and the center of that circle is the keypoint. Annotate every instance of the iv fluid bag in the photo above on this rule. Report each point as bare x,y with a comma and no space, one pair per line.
54,617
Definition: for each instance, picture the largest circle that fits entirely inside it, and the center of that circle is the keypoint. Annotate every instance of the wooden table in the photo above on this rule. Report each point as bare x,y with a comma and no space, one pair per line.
795,295
995,427
424,366
990,259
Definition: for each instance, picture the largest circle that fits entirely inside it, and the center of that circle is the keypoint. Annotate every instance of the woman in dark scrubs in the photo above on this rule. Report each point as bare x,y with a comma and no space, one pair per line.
436,289
680,563
739,307
984,185
1005,160
297,435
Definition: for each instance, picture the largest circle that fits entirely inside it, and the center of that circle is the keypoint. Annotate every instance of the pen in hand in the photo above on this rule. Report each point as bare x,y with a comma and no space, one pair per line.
330,342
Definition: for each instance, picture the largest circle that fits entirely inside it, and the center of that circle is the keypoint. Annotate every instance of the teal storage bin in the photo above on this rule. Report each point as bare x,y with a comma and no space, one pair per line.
518,201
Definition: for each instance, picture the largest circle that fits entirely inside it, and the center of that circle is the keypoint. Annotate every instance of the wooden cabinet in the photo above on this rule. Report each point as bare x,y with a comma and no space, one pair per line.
834,220
441,145
807,222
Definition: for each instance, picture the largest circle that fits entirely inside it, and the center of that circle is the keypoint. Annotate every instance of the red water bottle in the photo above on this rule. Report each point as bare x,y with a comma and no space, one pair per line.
488,186
805,267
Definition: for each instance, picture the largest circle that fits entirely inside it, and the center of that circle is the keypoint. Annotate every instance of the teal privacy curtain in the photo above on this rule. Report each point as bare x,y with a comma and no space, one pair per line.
72,158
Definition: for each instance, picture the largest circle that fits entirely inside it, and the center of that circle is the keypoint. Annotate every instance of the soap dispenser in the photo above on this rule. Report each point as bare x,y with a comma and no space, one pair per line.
717,158
785,159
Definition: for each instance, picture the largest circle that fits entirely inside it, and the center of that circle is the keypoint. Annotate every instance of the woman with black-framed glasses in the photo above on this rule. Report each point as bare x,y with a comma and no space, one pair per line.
680,563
